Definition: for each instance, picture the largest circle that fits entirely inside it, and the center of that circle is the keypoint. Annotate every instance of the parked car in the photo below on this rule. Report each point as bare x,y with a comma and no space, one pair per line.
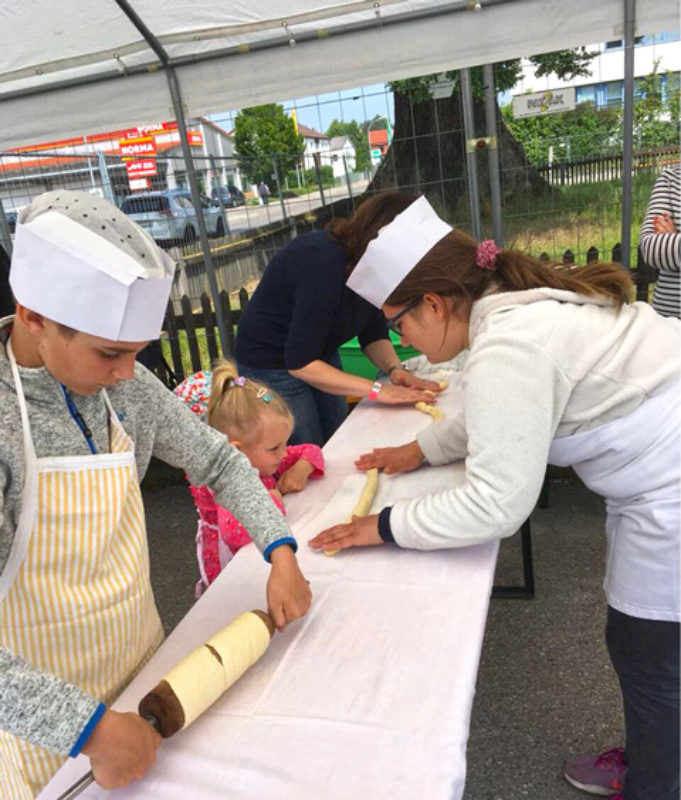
170,216
230,195
11,217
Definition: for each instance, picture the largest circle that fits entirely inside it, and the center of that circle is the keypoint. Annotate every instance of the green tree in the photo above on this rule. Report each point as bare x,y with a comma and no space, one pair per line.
588,132
428,148
265,136
584,132
357,136
656,111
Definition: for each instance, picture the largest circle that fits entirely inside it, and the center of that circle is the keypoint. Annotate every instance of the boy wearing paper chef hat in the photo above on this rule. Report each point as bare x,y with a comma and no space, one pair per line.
80,421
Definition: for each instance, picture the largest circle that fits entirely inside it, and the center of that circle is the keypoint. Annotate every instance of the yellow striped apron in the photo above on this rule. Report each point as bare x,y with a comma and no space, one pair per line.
77,596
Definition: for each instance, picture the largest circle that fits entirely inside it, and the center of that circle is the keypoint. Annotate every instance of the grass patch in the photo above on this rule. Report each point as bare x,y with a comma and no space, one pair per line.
576,218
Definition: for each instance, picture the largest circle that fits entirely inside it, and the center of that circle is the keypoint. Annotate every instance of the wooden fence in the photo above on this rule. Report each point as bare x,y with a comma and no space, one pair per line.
605,167
200,325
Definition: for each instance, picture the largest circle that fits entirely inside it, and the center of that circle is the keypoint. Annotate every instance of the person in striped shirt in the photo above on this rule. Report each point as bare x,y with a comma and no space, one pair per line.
660,241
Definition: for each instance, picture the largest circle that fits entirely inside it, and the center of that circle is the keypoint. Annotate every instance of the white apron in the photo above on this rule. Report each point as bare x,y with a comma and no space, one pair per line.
633,462
75,596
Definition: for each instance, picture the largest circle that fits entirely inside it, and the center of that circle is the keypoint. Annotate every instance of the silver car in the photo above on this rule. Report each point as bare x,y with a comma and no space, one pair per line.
169,216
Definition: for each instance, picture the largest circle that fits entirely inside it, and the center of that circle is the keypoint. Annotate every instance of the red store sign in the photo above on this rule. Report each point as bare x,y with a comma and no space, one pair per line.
138,147
138,169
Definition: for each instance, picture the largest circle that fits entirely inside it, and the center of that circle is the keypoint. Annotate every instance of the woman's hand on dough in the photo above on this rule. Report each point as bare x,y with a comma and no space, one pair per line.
400,377
393,395
121,748
360,532
288,592
406,458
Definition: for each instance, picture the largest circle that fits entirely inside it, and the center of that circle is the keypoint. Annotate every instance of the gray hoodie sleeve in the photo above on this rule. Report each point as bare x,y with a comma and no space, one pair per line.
40,707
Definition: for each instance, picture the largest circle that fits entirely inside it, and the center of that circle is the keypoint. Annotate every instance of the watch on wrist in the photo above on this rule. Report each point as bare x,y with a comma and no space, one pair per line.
394,367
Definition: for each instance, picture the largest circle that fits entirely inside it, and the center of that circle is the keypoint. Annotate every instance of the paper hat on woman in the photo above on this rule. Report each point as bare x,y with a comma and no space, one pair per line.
397,249
79,261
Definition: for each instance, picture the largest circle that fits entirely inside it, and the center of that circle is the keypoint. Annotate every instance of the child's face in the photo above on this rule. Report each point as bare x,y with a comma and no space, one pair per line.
267,453
85,363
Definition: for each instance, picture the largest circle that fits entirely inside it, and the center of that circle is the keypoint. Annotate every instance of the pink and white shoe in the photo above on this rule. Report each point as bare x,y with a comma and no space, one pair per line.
602,775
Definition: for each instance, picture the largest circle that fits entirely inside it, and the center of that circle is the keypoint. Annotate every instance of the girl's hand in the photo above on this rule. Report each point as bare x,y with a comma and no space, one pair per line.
393,395
295,477
121,748
288,593
664,224
401,377
360,532
406,458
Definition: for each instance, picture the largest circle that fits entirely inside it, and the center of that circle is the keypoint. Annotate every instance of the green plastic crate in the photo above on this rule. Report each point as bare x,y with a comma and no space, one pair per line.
355,362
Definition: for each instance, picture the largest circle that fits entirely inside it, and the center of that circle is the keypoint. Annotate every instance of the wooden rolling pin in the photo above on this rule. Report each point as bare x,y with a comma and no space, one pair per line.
200,679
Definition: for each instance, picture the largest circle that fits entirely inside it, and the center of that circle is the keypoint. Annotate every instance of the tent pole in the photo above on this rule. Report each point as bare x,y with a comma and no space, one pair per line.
628,128
176,97
493,152
469,135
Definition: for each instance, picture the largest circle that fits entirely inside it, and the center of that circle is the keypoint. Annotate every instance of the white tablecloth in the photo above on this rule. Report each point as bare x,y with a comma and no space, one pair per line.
366,698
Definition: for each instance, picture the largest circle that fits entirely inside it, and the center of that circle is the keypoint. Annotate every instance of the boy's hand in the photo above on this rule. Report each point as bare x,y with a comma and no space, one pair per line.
121,748
288,593
295,477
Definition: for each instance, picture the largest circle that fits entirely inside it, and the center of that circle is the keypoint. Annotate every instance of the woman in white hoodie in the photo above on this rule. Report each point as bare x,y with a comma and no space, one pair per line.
561,370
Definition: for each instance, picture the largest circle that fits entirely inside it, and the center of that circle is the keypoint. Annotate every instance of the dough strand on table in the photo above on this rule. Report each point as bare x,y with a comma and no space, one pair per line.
434,411
363,505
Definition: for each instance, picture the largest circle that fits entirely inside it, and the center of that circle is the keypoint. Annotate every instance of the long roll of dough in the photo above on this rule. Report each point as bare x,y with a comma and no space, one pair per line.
206,673
363,505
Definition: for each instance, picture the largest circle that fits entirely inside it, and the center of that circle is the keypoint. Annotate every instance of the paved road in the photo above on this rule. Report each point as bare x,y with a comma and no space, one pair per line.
244,218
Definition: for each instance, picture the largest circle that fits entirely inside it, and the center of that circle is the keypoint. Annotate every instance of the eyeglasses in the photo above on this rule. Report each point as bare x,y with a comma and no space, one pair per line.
394,322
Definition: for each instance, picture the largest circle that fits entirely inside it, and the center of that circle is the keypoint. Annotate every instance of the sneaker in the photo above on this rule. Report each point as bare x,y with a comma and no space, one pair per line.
602,775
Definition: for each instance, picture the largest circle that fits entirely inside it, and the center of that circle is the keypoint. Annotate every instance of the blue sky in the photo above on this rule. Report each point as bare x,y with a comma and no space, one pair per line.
317,111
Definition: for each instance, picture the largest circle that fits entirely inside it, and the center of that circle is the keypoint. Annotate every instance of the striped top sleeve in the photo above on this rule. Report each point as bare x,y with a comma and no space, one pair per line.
663,250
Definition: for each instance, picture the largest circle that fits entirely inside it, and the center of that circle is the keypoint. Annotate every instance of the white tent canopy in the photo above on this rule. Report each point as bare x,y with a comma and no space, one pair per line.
73,66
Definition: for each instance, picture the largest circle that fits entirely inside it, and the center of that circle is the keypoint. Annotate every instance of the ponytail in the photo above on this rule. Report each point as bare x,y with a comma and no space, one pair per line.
452,268
236,404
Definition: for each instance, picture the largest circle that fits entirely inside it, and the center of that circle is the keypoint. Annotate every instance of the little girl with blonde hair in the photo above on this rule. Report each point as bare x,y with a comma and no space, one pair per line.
258,422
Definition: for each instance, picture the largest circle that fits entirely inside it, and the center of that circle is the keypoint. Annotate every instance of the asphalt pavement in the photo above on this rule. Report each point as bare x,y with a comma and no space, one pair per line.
545,690
244,218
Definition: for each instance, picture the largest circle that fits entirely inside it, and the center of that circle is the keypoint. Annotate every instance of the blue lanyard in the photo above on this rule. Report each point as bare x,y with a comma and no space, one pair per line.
80,422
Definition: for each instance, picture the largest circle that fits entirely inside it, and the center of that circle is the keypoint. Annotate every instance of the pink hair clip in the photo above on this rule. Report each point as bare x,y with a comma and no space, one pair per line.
239,380
486,254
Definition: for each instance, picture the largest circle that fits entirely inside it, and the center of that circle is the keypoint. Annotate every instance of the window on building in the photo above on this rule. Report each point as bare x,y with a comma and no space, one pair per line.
617,43
585,94
666,36
613,93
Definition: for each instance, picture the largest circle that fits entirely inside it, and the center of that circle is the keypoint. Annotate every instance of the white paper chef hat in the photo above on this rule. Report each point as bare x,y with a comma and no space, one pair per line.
398,248
79,261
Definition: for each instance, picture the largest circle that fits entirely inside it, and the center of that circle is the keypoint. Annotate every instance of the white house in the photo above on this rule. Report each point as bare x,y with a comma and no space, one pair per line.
315,142
343,157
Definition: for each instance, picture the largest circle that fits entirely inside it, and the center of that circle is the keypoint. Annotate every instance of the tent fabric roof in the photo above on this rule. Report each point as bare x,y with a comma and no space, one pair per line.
81,65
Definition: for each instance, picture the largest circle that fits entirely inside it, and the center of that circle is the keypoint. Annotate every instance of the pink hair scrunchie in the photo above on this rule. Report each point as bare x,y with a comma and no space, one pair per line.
486,254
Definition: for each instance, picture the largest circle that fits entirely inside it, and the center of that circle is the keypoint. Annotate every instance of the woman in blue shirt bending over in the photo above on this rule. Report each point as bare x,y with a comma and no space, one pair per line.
302,312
